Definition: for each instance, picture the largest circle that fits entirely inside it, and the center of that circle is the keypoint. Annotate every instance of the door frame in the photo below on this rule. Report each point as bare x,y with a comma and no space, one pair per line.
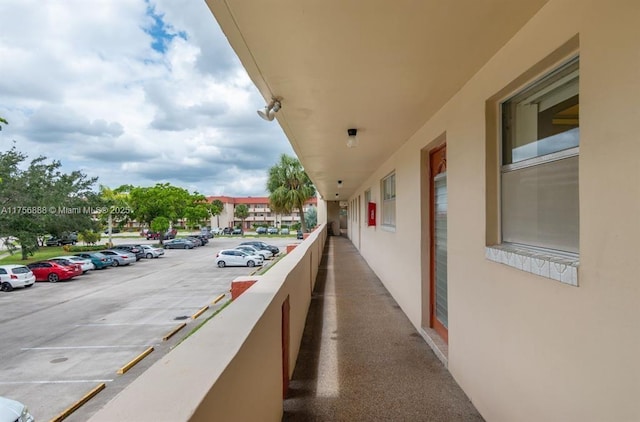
437,158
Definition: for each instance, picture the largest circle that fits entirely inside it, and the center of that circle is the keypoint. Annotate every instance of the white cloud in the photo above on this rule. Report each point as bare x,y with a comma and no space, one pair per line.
133,92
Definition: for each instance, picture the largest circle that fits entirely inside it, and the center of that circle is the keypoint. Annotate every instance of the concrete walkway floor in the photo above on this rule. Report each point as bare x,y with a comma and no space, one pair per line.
360,357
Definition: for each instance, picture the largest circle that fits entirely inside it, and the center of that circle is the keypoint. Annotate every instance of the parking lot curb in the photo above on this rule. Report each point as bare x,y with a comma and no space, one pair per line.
135,361
200,312
174,331
218,299
66,413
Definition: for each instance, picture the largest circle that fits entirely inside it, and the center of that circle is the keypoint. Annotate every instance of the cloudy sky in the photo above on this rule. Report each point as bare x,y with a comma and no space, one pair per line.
133,92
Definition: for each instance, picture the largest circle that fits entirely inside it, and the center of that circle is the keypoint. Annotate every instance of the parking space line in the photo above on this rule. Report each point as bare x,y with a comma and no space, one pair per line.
116,324
128,346
53,382
161,308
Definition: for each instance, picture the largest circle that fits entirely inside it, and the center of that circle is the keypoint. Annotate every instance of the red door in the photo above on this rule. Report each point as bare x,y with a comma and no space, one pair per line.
439,309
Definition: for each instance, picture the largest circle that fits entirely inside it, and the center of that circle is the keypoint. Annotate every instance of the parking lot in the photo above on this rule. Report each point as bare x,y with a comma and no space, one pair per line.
59,341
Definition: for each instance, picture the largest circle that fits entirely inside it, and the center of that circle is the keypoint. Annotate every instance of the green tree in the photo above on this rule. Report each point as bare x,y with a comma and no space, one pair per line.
160,225
195,214
197,210
216,208
242,212
289,187
161,200
41,199
3,121
90,237
311,217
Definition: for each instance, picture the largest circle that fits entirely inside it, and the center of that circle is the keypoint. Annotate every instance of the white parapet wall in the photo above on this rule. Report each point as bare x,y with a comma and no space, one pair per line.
231,368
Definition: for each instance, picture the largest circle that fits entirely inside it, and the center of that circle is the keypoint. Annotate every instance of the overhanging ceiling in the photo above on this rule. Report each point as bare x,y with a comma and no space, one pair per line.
383,67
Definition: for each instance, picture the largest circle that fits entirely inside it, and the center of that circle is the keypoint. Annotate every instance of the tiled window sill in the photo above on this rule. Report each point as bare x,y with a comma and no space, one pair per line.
545,264
388,228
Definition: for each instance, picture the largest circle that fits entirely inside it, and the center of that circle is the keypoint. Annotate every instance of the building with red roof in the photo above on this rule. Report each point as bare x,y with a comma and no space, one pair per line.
260,214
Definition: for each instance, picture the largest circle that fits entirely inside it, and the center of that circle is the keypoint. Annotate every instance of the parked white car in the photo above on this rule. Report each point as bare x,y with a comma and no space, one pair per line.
254,250
14,411
237,258
151,252
12,276
85,263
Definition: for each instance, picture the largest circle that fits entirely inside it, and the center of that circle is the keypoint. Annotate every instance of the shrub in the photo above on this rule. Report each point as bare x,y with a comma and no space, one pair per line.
89,237
87,248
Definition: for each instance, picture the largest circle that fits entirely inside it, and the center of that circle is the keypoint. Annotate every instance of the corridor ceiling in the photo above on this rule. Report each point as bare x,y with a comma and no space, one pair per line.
383,67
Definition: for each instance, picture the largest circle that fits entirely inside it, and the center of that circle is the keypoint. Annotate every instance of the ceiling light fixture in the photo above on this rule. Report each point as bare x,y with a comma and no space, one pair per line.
352,141
339,184
269,111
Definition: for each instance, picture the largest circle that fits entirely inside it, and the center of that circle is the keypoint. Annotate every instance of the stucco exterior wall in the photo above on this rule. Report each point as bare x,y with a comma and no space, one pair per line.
524,347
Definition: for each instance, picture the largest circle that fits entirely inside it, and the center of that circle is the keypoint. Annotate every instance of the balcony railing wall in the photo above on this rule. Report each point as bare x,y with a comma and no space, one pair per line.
231,368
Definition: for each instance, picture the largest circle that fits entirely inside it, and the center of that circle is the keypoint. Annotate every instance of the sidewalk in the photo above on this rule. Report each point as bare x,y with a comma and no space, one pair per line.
361,359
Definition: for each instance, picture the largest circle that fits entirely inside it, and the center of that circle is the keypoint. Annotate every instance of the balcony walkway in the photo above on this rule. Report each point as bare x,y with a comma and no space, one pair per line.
360,357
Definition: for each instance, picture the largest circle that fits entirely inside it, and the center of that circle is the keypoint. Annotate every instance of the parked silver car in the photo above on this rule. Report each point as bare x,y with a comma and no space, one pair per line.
151,252
120,257
178,244
254,250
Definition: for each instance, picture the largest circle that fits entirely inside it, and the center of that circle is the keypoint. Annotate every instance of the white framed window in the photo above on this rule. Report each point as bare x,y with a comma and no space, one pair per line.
365,210
540,157
538,188
388,188
353,210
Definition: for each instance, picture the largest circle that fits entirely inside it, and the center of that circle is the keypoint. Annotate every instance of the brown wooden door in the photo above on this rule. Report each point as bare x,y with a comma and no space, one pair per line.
438,309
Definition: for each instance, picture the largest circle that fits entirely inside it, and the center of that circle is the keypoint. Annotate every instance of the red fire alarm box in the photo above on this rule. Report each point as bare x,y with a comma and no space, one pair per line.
371,213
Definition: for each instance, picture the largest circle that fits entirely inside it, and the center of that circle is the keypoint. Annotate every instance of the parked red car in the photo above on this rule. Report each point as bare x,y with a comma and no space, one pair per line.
51,271
170,234
77,268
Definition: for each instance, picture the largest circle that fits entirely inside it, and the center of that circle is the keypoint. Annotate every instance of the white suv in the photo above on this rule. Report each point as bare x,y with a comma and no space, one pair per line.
12,276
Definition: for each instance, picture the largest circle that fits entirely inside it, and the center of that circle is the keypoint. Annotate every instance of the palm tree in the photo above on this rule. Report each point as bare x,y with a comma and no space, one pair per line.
289,187
242,212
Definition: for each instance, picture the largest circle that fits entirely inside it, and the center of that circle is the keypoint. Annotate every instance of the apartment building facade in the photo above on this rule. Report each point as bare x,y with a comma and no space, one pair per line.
260,214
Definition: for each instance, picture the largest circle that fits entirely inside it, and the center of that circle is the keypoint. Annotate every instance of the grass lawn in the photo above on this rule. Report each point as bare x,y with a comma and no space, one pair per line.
44,252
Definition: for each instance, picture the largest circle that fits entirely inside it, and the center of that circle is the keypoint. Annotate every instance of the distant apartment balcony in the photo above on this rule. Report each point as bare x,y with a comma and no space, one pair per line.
318,327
